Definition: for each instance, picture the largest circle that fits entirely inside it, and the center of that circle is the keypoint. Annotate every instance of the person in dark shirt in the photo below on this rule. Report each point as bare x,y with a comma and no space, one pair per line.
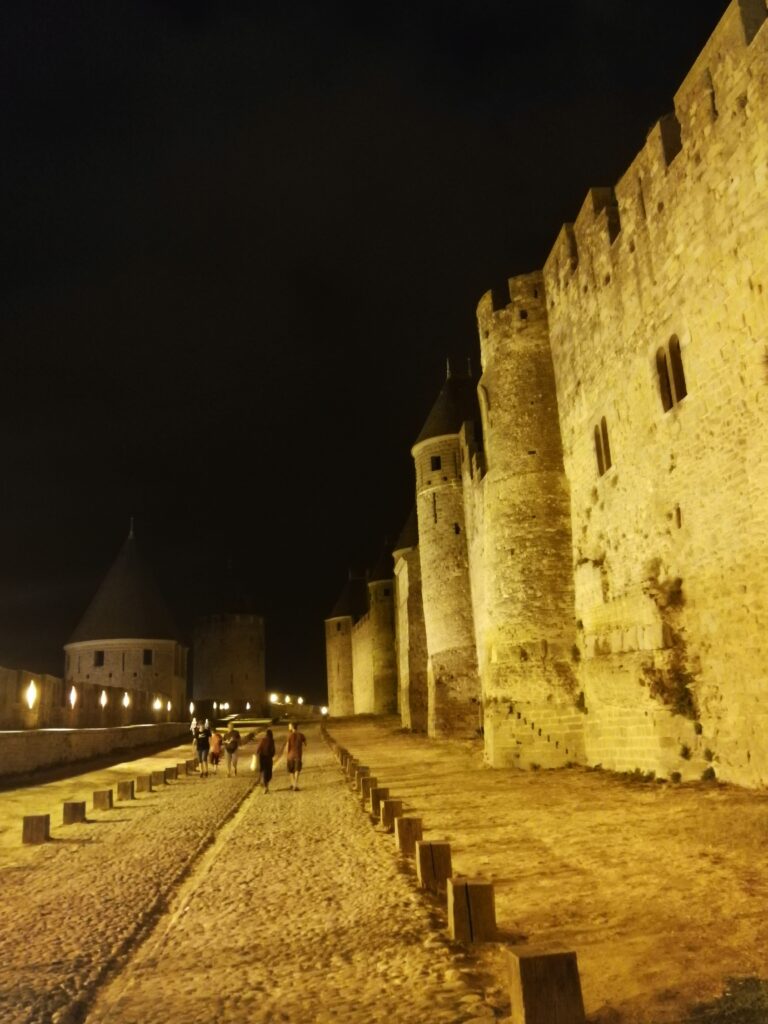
231,746
293,750
202,746
265,752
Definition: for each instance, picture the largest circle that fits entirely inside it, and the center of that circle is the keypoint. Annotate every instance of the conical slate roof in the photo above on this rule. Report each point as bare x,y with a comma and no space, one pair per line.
409,535
455,404
127,605
383,569
353,600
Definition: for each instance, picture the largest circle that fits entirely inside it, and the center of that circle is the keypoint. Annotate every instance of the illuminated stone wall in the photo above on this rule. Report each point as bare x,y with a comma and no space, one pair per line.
229,660
669,543
374,671
602,550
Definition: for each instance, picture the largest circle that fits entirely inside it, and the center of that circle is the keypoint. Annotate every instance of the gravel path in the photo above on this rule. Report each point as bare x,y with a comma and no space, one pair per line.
298,910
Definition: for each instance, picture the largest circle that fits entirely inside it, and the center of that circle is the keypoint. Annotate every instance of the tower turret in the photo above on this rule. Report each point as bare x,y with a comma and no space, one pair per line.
338,646
452,679
410,636
529,665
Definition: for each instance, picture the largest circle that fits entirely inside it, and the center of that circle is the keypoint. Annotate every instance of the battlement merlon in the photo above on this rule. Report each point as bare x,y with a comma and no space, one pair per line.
503,316
696,101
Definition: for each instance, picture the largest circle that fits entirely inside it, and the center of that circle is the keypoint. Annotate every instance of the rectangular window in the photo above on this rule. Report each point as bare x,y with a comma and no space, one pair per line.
98,659
435,462
147,657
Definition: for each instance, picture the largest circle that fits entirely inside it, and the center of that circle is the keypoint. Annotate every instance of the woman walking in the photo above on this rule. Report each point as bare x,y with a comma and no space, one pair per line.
265,753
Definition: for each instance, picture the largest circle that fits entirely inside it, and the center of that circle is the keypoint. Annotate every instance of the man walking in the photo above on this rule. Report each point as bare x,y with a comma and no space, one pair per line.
231,745
293,750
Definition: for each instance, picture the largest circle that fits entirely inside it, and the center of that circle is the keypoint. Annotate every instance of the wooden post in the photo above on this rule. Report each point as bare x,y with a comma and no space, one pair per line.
360,773
544,987
407,832
352,763
102,799
126,790
471,910
36,828
170,774
390,809
433,865
378,793
143,783
191,765
181,769
366,785
158,778
73,812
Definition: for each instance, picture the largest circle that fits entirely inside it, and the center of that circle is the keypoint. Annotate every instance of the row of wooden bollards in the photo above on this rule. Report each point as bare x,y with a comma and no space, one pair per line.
36,828
544,985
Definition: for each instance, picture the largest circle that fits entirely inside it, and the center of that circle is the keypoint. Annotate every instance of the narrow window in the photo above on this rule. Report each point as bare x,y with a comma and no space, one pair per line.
98,659
456,529
435,462
386,591
434,507
146,657
606,445
678,376
338,627
599,452
664,387
123,661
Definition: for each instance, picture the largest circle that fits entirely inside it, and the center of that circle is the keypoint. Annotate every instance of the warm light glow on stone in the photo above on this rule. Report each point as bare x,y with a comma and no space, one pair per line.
247,705
31,694
126,701
157,704
287,698
323,711
215,705
103,698
273,698
191,707
168,706
72,697
300,700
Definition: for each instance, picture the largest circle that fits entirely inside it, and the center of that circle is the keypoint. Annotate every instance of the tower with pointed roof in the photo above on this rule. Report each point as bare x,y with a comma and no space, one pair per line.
452,678
410,635
128,644
373,640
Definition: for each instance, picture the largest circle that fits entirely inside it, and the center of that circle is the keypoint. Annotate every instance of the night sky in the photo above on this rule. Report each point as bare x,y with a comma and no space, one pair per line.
239,241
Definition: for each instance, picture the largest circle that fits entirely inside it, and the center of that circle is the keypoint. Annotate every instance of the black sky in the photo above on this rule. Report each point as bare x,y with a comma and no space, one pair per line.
238,242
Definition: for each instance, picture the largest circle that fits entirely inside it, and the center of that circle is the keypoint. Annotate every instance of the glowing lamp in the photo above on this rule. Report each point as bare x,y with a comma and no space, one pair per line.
72,697
103,698
288,698
168,706
323,711
191,707
247,705
300,700
215,705
31,694
273,698
157,704
126,701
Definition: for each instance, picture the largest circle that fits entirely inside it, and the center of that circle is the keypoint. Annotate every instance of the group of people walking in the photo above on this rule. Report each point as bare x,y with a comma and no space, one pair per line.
208,744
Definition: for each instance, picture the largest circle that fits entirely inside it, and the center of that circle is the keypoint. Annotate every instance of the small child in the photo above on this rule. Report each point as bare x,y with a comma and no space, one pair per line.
215,749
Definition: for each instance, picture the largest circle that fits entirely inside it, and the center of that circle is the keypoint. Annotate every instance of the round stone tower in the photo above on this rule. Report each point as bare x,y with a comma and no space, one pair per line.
126,648
229,657
528,631
338,646
452,678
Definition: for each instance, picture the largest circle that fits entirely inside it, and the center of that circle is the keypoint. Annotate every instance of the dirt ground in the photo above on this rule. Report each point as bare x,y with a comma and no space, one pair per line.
209,900
661,889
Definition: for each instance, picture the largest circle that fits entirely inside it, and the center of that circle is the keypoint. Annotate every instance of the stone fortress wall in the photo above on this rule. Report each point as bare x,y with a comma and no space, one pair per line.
612,500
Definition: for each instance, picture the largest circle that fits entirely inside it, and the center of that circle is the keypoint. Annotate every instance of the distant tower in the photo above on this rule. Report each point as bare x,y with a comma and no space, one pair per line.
453,685
410,635
350,606
127,642
229,660
528,633
375,688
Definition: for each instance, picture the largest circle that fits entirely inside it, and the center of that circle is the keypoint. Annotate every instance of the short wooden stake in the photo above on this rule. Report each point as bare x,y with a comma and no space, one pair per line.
191,765
36,828
366,785
181,769
102,799
360,773
143,783
471,910
407,832
378,793
170,774
158,778
544,987
352,763
390,809
73,812
126,790
433,865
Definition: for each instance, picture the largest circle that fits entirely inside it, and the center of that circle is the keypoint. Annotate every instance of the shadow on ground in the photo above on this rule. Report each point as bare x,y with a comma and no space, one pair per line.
745,1001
